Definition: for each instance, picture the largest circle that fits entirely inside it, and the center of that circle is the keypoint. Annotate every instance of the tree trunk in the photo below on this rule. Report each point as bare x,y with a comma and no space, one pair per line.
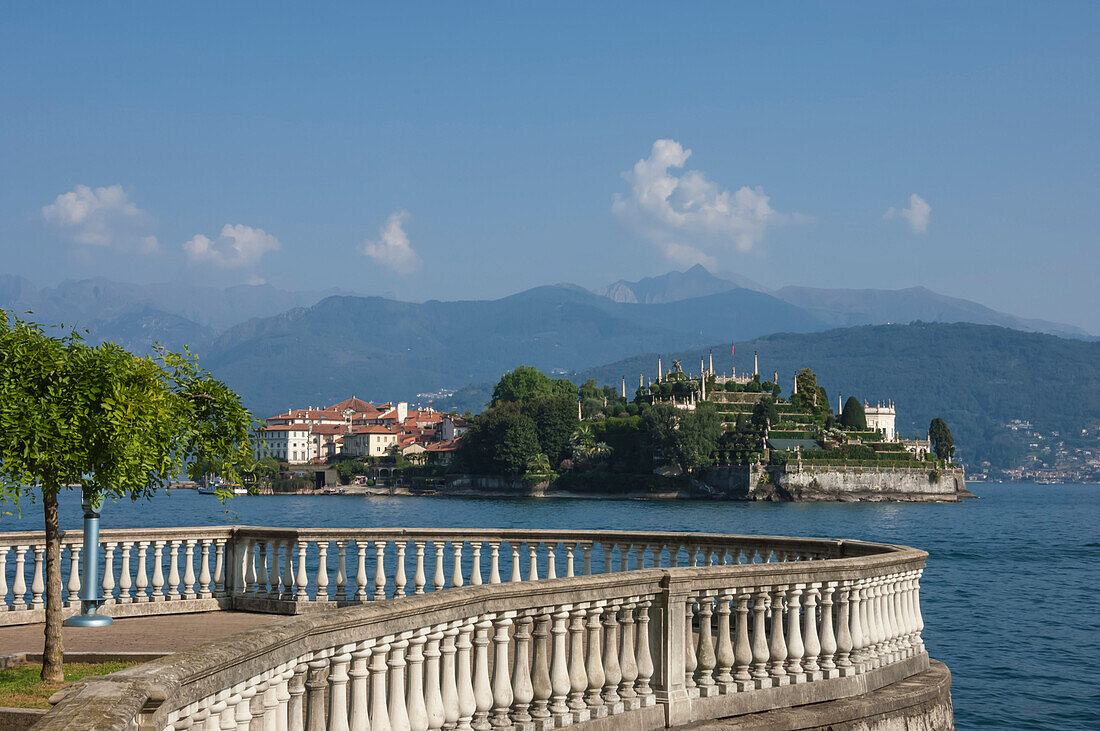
51,651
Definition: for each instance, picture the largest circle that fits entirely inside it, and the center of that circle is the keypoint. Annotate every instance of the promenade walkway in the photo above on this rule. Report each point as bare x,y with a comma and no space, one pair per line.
163,633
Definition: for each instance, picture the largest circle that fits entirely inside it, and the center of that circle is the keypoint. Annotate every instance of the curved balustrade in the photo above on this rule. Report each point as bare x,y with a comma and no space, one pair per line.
288,571
642,630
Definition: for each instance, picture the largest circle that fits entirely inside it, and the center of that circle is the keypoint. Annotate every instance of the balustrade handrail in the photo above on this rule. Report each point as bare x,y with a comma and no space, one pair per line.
251,672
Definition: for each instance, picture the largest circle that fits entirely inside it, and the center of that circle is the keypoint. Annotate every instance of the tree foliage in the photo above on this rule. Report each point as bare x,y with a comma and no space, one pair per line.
943,444
116,424
853,416
526,383
687,438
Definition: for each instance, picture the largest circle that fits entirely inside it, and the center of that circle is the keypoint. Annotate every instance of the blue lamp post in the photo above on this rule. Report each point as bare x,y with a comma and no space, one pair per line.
90,601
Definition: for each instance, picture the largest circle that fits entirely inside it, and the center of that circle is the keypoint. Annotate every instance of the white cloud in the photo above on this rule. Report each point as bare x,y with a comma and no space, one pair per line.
103,217
392,248
236,247
668,208
917,214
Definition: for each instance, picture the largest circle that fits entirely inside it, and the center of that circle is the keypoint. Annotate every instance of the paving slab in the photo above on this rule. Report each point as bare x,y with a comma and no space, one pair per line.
158,633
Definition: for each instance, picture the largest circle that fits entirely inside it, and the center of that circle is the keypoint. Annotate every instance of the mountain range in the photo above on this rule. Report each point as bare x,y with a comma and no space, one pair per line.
279,348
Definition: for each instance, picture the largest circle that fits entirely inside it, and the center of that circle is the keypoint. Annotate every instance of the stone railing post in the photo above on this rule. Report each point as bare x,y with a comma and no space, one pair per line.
668,614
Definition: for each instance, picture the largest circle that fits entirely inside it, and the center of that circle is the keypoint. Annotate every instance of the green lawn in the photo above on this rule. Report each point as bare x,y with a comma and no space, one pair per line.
20,686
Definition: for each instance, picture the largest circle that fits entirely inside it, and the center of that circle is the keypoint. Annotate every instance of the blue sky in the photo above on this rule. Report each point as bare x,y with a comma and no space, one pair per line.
462,151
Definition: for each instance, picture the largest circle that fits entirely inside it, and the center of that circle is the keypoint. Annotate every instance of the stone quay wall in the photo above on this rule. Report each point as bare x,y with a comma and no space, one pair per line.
807,482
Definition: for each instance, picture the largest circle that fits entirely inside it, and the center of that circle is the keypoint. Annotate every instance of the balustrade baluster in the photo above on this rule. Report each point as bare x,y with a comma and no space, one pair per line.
569,559
691,660
724,657
399,714
124,580
704,650
338,689
247,564
315,693
322,571
494,562
439,579
483,690
516,576
415,703
301,579
868,625
843,631
551,560
261,568
586,554
795,647
173,570
243,715
855,617
593,665
399,577
288,580
533,568
612,672
274,571
419,578
37,584
433,681
19,581
228,716
501,685
475,567
361,578
761,651
456,569
380,571
607,548
219,567
628,663
73,586
560,680
645,658
811,642
578,678
271,700
449,670
742,650
189,569
141,581
467,701
828,638
522,688
343,592
358,714
295,705
158,571
778,647
379,712
541,685
900,627
282,697
4,606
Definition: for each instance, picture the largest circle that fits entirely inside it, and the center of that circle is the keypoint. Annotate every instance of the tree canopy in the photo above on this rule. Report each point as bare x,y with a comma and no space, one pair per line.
526,383
853,416
110,422
943,444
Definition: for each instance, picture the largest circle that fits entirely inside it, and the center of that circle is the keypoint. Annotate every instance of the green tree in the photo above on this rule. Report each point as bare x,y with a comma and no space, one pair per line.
266,468
555,419
853,416
688,438
526,383
117,424
764,415
517,446
943,444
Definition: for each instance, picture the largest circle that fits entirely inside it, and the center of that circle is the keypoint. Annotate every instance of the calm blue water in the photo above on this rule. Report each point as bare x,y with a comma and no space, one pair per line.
1009,597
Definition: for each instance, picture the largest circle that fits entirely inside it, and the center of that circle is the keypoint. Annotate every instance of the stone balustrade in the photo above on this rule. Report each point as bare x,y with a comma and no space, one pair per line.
525,630
288,571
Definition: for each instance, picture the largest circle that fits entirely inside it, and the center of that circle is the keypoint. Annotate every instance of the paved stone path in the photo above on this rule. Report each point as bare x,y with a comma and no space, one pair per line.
158,633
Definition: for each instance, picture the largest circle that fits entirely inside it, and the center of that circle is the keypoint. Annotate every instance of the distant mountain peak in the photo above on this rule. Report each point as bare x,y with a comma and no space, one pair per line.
697,281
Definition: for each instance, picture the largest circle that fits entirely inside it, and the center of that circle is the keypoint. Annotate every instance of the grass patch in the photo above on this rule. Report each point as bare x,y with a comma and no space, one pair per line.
21,686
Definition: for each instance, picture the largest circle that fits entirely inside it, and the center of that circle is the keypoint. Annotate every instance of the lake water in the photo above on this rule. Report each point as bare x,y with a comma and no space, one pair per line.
1009,597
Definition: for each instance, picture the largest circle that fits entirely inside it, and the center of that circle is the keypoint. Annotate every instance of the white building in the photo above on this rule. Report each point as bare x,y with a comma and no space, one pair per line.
881,418
370,441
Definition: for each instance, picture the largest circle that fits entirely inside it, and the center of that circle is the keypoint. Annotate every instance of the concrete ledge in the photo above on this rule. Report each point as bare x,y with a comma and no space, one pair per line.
118,611
921,702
